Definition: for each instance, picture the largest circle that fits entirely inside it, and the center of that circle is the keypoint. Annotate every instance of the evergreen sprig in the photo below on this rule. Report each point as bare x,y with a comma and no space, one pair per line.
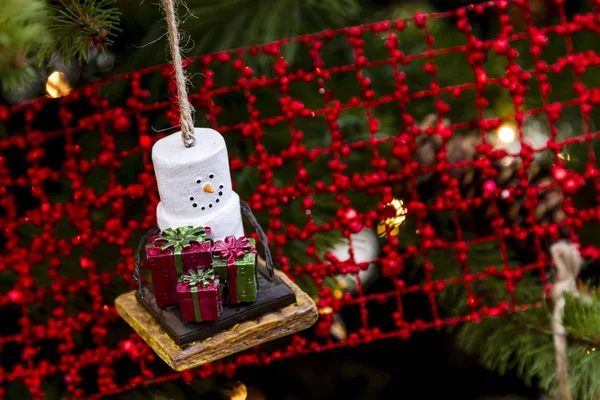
78,25
33,33
523,342
582,320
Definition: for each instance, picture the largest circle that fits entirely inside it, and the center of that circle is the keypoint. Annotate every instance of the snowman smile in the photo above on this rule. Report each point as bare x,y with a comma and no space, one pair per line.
207,188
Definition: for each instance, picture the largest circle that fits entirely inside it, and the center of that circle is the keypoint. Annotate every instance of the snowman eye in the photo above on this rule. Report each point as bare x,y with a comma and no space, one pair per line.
211,176
198,181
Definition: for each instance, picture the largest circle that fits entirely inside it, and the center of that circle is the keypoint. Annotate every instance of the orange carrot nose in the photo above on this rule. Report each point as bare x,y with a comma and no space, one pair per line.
208,188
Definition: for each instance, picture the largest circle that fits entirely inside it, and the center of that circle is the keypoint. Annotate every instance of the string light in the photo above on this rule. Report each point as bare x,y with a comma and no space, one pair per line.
394,222
57,85
325,310
236,391
566,158
506,134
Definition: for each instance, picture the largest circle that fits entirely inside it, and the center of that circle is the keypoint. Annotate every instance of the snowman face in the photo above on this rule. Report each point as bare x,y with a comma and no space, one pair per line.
208,195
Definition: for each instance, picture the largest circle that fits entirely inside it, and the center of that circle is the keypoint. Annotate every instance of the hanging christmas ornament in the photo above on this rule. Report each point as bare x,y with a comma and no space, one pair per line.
210,294
365,249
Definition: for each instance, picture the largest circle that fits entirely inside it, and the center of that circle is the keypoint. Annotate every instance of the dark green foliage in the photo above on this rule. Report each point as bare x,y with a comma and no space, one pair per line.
523,342
530,351
212,25
583,320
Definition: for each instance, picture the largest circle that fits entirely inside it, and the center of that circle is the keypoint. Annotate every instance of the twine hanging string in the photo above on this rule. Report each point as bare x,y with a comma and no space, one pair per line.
185,108
567,261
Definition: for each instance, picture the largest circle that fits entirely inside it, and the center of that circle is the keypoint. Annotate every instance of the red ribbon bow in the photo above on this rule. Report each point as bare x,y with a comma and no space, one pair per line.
232,248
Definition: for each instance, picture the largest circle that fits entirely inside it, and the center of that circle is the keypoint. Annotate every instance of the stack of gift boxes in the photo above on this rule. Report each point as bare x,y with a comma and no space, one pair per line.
189,268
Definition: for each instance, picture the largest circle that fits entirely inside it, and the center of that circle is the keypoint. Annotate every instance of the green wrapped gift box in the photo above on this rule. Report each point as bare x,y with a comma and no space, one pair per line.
234,261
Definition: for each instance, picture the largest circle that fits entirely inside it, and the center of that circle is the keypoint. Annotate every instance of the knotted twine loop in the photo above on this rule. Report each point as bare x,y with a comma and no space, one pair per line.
567,261
185,108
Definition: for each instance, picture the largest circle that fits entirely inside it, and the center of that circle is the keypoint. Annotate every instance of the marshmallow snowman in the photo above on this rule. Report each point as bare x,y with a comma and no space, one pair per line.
194,184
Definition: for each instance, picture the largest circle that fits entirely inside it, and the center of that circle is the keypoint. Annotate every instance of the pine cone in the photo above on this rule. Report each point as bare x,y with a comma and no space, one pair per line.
464,148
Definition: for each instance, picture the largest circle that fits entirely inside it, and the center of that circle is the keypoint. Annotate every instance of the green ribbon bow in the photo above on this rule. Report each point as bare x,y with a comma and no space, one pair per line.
179,239
203,277
195,278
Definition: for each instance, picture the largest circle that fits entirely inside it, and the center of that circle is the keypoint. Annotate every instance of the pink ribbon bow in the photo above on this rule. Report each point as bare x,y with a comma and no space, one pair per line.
232,248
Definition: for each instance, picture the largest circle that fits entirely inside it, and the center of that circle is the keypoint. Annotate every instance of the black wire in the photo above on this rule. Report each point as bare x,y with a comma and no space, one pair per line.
247,211
138,257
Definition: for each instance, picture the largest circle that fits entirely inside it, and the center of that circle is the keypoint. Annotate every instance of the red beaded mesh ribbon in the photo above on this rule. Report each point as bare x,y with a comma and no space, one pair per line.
45,338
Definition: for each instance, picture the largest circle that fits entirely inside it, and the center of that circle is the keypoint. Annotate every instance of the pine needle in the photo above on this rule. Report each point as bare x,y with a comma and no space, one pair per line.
524,342
79,25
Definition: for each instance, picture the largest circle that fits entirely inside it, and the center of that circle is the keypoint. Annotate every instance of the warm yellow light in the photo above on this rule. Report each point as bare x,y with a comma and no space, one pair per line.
393,222
57,85
325,310
238,391
567,158
506,134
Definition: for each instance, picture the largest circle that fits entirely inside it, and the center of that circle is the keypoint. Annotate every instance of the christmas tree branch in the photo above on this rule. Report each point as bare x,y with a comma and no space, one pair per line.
582,320
33,33
524,341
79,25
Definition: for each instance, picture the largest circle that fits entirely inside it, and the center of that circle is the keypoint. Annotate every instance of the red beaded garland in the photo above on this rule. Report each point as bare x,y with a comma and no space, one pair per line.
111,124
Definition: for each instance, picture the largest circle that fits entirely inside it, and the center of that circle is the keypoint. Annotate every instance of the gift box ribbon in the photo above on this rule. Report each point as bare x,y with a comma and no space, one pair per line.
194,279
232,249
179,239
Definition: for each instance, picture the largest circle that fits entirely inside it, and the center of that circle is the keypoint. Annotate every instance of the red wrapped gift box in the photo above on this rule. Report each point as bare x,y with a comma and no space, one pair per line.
200,295
172,253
